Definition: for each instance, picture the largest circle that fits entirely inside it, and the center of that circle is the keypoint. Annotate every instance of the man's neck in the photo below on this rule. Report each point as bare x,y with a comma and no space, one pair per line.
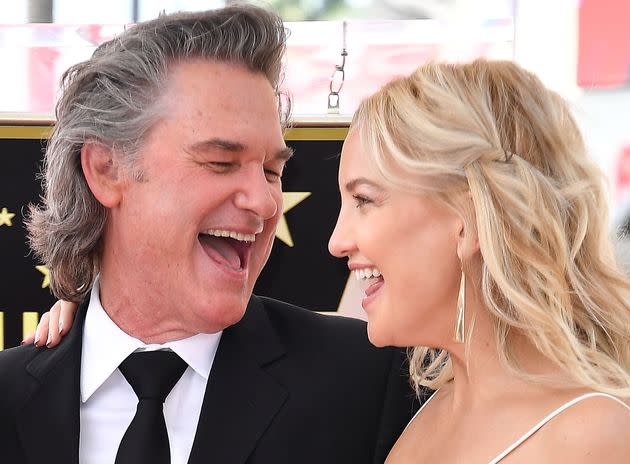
141,315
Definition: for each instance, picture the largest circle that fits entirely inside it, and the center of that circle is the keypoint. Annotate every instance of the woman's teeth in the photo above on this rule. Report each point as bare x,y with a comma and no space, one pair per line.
366,273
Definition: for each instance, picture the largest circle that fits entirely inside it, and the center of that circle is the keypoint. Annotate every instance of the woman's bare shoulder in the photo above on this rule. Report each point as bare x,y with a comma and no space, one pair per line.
596,428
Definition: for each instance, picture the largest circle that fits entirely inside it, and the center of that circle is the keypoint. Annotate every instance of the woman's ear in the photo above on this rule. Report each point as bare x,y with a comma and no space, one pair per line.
102,173
468,239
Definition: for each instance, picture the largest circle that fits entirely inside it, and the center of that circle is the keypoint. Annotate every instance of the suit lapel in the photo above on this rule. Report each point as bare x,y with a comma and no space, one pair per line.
241,398
49,423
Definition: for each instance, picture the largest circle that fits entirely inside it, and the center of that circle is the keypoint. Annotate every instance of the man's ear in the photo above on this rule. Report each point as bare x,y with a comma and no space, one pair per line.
102,173
468,239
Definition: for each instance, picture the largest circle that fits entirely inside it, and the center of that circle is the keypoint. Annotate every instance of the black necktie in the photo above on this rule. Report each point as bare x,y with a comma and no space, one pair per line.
152,375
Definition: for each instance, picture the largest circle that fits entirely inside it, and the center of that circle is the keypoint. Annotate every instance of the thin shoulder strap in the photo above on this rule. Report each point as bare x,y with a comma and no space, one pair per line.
540,424
421,408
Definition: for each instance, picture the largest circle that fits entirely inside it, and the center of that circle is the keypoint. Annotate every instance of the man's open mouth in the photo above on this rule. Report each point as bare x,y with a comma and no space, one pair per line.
226,247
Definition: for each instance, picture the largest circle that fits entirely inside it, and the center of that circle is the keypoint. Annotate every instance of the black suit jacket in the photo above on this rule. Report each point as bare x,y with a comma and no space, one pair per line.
287,386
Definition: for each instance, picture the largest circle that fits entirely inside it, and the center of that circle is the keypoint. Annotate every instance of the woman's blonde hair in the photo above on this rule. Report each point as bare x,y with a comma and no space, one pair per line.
548,271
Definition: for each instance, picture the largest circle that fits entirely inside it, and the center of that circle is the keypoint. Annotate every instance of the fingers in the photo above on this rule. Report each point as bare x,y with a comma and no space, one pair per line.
47,324
66,316
53,325
30,338
52,336
41,332
60,318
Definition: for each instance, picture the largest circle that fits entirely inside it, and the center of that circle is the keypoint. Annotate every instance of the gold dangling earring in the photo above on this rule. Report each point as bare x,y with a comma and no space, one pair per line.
461,306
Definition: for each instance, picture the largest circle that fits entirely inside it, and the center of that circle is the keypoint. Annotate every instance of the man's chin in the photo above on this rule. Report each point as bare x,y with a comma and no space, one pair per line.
213,321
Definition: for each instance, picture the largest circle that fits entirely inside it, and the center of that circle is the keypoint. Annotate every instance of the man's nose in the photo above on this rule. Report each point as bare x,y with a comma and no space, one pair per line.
341,243
258,195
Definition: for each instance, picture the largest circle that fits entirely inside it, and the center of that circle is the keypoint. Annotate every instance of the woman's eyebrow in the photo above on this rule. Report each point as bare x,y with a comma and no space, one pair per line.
354,183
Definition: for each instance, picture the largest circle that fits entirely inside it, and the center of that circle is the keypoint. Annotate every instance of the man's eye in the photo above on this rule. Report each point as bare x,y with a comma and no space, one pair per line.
220,166
272,176
361,201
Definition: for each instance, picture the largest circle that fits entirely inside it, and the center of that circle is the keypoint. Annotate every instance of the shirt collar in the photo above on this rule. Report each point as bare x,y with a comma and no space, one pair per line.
105,346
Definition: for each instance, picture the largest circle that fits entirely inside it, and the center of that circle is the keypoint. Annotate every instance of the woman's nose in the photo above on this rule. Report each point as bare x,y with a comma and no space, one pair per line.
341,243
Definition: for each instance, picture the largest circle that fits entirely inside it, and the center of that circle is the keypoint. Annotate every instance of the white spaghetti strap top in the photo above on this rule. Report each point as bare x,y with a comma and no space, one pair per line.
540,424
550,416
421,408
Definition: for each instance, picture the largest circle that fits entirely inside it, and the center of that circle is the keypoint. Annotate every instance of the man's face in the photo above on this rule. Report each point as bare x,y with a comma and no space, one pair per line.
211,168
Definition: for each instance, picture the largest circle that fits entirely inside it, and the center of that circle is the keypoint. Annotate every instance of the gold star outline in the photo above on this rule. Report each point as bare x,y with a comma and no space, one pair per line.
291,199
5,217
44,270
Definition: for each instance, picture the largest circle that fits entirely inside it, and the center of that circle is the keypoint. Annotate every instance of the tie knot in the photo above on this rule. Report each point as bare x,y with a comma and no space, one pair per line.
153,374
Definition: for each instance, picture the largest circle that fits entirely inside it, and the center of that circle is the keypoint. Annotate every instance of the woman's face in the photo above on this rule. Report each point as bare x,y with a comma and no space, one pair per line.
404,247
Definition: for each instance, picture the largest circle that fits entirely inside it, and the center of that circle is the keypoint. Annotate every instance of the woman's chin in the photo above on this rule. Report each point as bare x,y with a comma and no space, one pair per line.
377,337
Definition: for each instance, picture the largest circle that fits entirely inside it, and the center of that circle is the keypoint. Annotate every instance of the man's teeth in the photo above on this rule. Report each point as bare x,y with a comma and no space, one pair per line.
366,273
231,234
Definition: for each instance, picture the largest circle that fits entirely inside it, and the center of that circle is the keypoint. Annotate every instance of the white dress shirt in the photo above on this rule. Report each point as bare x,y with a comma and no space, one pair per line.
108,403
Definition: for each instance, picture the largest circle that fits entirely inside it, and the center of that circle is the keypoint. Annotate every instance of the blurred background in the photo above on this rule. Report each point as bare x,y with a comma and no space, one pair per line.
341,50
580,48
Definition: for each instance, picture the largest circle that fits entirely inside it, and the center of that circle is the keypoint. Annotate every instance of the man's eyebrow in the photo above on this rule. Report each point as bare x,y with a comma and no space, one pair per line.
354,183
229,145
216,143
285,154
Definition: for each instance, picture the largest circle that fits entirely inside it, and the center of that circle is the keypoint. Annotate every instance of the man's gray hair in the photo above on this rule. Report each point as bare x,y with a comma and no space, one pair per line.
111,99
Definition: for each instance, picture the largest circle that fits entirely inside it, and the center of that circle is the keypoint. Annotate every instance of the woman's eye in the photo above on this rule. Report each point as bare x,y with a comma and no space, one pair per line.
361,201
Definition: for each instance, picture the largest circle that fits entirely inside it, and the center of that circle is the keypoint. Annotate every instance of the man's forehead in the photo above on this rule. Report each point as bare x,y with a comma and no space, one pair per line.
208,71
208,87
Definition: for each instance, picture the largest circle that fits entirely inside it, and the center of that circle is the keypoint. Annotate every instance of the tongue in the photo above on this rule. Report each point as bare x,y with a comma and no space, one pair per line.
374,286
221,250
